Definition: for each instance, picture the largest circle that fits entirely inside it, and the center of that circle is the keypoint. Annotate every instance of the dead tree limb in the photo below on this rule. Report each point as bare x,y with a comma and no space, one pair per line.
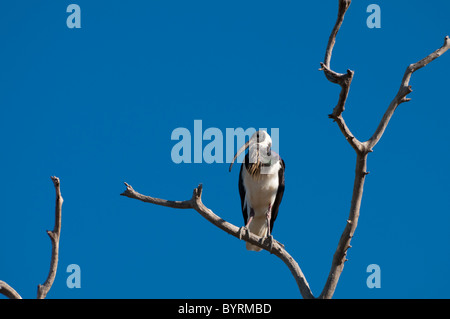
54,235
361,149
196,203
8,291
403,91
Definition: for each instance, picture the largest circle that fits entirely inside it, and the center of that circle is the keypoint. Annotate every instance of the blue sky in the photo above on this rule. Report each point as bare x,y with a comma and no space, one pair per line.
96,107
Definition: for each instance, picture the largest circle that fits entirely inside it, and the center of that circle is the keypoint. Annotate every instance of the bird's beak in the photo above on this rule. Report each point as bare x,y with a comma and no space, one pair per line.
242,149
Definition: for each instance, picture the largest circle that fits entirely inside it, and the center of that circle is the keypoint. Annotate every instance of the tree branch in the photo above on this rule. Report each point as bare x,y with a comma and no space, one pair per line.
130,192
8,291
344,80
339,257
343,6
54,237
362,149
196,203
403,91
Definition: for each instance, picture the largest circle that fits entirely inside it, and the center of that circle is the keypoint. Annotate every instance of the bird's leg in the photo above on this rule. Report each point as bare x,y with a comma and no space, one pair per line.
269,236
245,228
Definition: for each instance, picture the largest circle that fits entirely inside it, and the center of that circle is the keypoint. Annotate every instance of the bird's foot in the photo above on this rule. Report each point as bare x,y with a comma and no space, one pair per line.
243,230
270,241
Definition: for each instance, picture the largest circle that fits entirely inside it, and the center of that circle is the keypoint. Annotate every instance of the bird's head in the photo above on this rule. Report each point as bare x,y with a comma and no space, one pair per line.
260,149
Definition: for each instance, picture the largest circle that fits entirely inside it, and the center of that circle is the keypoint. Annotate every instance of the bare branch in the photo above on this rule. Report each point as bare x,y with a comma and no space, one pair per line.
196,203
362,149
54,237
403,91
339,258
343,6
344,80
8,291
130,192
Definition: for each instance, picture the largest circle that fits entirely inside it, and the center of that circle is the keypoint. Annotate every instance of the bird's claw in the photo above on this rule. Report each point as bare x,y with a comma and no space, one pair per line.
270,242
241,232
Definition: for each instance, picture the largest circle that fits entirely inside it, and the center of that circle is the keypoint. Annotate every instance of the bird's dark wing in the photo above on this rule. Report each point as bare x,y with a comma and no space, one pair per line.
280,192
242,193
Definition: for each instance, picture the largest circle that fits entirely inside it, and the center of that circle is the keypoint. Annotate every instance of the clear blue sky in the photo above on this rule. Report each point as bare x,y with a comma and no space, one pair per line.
96,106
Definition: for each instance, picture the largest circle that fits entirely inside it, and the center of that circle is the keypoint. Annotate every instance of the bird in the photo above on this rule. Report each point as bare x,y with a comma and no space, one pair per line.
261,187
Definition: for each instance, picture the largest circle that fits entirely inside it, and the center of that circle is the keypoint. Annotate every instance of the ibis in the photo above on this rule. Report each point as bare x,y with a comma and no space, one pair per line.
261,187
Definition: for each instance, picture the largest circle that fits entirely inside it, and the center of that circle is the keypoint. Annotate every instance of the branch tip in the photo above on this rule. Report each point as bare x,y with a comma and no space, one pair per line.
55,180
199,190
128,186
405,99
128,190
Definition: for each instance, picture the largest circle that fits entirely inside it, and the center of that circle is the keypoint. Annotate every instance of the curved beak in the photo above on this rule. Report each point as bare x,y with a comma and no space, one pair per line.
242,149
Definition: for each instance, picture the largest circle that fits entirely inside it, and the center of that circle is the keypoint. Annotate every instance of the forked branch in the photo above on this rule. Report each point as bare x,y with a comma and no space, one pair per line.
54,235
403,91
362,149
196,203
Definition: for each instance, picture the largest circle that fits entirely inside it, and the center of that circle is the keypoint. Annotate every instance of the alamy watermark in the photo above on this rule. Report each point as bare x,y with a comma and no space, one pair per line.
192,148
74,279
73,21
374,279
374,19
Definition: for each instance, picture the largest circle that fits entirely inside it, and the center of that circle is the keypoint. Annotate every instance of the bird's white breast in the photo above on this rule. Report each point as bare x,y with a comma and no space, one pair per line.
262,189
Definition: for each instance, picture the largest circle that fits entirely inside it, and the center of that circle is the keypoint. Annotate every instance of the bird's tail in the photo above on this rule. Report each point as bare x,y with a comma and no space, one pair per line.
258,226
